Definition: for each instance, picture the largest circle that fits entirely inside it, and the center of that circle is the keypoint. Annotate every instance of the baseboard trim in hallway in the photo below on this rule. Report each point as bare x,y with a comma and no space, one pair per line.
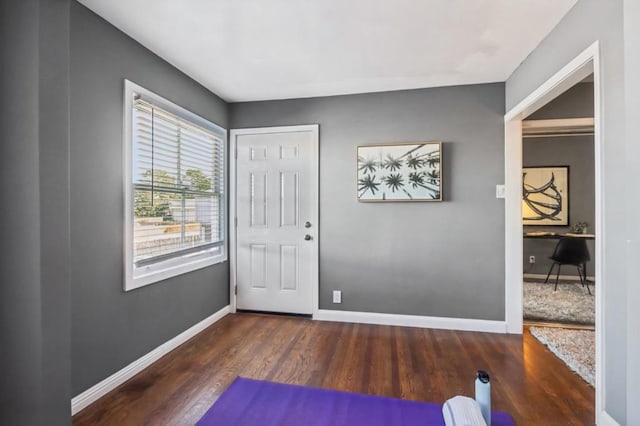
442,323
552,278
605,419
86,398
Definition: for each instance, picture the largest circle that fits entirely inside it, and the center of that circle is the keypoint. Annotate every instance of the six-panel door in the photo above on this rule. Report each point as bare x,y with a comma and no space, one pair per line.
275,236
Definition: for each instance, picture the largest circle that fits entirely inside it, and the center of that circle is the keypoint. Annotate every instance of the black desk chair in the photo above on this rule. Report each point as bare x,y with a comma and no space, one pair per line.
571,251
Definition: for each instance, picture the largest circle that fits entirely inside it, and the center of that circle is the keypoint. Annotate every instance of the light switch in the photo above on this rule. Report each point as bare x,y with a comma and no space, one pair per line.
499,191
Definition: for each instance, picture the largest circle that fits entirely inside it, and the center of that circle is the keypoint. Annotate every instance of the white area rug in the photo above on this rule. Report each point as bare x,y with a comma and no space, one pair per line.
570,304
576,348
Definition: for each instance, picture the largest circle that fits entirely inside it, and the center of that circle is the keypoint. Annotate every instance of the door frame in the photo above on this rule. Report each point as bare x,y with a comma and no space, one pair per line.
584,64
233,220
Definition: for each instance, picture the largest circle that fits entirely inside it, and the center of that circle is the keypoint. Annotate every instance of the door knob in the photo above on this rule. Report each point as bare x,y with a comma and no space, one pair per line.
307,224
308,237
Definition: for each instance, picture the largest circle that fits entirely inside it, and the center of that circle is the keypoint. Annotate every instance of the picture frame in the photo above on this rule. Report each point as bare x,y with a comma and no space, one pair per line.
545,196
399,172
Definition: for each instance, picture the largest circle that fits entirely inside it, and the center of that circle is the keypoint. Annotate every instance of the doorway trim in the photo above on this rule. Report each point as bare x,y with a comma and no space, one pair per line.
233,220
584,64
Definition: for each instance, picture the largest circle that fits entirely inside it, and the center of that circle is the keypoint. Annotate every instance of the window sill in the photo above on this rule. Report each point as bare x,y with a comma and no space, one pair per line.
162,272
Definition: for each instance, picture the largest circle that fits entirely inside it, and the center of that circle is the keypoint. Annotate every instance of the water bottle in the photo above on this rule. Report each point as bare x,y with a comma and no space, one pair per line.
483,395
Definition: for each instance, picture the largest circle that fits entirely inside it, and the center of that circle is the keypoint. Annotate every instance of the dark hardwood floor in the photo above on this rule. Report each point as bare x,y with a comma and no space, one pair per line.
528,381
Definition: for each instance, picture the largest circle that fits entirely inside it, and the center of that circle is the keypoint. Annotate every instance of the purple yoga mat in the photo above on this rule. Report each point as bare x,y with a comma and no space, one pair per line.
249,402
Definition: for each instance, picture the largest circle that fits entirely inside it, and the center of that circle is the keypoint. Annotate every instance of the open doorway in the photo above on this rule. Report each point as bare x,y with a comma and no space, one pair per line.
558,211
582,74
558,214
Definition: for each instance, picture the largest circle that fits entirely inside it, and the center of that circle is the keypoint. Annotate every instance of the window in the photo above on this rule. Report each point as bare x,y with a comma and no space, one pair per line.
174,177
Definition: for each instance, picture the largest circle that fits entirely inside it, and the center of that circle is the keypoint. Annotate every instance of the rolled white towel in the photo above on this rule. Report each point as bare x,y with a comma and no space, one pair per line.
462,411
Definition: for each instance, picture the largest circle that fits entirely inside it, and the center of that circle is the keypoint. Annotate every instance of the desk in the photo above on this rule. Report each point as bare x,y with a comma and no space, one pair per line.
543,235
549,235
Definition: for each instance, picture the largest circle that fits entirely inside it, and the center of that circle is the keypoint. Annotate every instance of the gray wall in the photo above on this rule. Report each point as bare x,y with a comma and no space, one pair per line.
441,259
632,89
111,328
34,188
577,152
577,102
588,21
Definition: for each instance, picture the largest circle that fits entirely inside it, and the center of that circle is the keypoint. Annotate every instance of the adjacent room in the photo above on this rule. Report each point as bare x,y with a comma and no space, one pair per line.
319,213
559,218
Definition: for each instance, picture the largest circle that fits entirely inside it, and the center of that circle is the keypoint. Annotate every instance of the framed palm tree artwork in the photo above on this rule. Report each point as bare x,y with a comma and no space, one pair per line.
545,196
408,171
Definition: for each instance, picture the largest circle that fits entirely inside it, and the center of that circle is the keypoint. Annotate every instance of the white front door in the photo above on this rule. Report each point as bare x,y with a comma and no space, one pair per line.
276,175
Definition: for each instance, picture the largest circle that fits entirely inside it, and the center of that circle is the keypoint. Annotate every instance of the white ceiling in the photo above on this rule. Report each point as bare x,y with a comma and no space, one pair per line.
246,50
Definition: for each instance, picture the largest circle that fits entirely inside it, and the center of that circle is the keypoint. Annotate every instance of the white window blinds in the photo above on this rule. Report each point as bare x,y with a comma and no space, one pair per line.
177,183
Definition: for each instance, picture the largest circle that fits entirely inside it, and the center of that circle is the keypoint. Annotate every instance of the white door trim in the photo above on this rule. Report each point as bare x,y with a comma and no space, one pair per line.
233,156
586,62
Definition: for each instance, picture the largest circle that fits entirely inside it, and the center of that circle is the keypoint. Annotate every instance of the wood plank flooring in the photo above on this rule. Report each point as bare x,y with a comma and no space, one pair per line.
528,381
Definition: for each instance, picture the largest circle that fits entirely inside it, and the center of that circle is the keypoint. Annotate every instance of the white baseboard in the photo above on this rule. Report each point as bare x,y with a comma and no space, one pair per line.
86,398
604,419
552,278
412,321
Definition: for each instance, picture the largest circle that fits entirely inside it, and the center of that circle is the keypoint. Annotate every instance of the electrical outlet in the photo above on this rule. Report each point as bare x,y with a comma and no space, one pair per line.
532,259
337,296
